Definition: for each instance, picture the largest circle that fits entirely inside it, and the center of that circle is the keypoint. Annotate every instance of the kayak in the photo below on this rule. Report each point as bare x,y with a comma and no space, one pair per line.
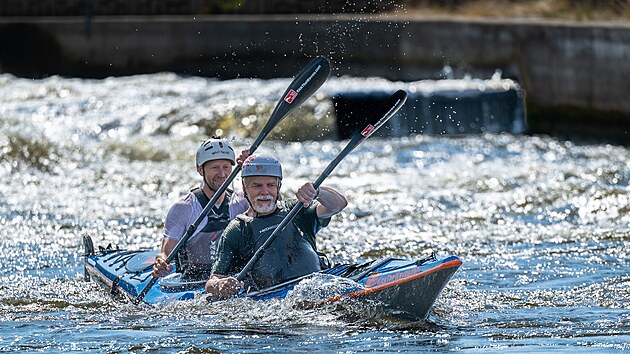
403,288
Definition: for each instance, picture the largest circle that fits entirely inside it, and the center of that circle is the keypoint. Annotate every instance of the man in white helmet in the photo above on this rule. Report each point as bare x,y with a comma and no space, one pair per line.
293,253
215,159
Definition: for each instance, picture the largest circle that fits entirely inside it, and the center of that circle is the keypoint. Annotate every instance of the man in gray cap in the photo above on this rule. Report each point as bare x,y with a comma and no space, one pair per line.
293,253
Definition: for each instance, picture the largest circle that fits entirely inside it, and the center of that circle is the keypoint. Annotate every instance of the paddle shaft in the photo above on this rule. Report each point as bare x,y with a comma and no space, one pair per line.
380,116
305,83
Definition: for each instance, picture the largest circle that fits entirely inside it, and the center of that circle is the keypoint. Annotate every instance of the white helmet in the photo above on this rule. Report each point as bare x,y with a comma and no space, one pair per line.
215,149
262,165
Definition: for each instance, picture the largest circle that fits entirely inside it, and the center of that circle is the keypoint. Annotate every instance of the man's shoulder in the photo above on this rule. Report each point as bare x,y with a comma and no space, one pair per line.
187,202
238,223
236,196
244,218
236,230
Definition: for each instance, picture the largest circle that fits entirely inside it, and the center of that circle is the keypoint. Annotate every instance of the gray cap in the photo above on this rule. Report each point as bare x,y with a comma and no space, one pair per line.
215,149
262,165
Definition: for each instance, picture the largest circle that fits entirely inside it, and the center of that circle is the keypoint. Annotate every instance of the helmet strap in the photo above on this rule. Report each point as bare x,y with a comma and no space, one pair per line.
247,196
249,201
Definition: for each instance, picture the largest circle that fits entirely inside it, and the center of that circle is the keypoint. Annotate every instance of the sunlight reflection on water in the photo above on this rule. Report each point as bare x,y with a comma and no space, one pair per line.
542,225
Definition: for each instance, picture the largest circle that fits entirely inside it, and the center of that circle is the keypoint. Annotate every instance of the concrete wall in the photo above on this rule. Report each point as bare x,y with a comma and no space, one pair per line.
577,77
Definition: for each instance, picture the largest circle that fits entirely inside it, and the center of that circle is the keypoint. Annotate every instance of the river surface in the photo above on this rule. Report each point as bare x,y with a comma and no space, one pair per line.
542,225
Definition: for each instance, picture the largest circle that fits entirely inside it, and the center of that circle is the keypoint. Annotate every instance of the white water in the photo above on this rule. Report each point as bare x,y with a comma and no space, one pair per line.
542,225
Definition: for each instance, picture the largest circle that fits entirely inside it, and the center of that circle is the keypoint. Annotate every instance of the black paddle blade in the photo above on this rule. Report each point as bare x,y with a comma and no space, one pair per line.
305,83
385,111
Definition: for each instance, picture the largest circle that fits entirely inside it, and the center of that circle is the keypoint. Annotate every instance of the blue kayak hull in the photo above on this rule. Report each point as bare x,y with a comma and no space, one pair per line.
404,288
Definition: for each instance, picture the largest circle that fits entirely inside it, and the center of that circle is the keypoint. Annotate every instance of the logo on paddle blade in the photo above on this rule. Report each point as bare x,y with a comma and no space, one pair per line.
368,130
291,96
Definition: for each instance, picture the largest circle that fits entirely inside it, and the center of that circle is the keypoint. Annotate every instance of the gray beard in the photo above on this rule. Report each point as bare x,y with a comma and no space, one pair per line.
263,209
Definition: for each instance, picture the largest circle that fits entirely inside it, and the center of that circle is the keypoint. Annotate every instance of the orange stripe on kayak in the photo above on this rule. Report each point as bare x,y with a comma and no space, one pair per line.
449,264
